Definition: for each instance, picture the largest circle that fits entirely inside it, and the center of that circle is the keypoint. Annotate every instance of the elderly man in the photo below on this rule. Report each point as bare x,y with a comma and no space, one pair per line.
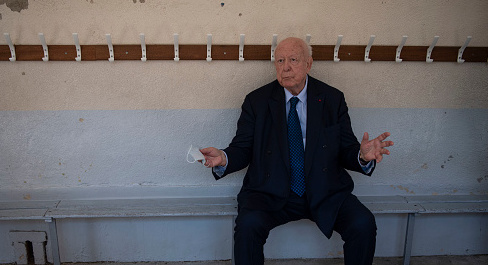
295,135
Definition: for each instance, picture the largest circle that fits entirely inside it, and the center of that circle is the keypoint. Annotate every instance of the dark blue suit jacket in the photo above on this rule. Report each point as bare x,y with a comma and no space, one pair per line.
261,144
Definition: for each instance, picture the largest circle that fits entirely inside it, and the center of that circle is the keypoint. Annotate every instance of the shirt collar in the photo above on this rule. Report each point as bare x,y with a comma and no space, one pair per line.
302,96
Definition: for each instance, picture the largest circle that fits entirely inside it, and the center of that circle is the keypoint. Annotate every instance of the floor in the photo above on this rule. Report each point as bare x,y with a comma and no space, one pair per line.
429,260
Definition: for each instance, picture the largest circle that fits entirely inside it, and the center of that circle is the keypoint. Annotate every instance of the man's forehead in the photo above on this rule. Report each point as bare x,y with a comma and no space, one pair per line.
291,51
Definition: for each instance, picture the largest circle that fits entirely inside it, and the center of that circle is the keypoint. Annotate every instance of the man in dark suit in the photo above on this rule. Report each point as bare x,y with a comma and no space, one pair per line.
289,180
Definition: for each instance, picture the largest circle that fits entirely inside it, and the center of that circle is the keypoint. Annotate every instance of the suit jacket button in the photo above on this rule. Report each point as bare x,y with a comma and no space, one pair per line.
324,169
324,146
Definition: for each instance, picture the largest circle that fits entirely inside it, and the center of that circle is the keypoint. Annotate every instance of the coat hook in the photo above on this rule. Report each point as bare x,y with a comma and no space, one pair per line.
241,48
429,50
308,37
11,46
461,50
209,47
44,47
368,48
78,47
273,46
143,46
110,47
399,49
177,47
336,48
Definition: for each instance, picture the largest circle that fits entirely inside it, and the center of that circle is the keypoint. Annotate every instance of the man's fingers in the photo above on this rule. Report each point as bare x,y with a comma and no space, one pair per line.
383,136
365,138
206,150
210,152
382,152
379,145
386,143
379,155
213,157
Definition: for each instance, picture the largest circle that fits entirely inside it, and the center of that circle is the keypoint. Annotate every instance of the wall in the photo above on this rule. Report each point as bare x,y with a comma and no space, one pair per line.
122,129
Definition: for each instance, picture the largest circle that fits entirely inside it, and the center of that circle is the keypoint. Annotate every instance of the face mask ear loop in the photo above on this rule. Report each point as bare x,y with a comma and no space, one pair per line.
188,154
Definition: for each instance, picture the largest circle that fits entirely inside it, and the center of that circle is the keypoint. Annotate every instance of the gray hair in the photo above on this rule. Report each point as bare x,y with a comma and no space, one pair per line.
303,43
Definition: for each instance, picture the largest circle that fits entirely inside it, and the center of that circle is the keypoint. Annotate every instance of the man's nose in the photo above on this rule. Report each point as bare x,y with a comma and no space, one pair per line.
286,65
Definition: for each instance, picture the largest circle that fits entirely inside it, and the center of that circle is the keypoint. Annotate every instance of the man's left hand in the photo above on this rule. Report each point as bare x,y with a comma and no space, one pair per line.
374,149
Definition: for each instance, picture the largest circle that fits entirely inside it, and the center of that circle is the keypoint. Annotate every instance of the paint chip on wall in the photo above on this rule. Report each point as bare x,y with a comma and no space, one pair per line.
15,5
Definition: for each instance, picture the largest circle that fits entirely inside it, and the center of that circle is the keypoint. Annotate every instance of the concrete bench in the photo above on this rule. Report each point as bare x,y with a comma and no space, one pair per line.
395,205
28,210
132,208
50,211
451,203
445,204
25,210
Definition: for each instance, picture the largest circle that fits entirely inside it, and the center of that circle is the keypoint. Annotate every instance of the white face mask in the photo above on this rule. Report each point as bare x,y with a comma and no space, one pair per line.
195,153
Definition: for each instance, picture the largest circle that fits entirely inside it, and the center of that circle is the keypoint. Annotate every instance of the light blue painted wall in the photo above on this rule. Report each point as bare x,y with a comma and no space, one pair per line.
437,151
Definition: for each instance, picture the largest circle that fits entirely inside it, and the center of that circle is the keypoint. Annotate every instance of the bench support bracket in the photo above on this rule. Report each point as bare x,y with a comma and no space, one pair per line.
53,236
407,251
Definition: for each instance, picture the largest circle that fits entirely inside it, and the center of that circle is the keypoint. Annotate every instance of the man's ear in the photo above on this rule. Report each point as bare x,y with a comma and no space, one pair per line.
309,63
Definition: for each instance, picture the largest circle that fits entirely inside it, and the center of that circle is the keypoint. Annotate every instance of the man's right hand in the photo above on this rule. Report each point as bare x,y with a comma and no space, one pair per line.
214,157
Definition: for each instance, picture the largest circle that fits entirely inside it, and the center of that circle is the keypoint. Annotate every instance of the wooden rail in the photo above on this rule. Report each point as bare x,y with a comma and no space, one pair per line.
231,52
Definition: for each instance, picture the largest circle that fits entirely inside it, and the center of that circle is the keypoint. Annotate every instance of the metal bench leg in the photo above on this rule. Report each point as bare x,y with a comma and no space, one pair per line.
407,251
53,235
233,241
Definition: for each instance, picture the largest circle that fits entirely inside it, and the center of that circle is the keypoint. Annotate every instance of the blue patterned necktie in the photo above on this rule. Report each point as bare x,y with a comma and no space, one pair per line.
297,153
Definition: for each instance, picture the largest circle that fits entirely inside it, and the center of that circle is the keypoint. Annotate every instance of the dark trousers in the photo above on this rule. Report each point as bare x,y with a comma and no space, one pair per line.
355,223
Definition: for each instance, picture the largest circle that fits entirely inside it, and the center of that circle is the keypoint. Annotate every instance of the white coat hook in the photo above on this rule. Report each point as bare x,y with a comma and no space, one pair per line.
11,46
44,47
143,46
177,48
308,37
241,48
273,46
429,50
399,49
78,47
110,47
209,47
461,50
368,48
336,48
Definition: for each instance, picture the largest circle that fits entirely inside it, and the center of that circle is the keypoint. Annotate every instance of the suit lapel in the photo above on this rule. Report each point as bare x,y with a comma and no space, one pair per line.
315,101
278,113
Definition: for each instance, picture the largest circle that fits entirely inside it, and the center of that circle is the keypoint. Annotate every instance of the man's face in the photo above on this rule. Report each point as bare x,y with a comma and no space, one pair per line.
292,64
